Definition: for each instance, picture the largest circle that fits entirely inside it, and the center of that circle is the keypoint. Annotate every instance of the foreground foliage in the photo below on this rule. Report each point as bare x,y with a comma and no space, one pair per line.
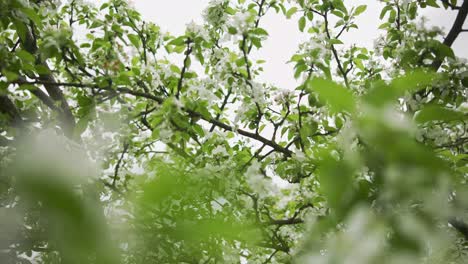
124,144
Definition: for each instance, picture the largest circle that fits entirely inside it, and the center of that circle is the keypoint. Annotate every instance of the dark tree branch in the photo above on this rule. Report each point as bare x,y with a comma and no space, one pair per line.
65,115
335,52
268,260
223,105
184,68
248,134
8,107
456,29
192,113
119,162
293,220
260,13
249,80
460,226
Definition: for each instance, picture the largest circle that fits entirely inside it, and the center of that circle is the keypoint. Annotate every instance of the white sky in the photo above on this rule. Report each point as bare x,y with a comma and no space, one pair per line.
284,37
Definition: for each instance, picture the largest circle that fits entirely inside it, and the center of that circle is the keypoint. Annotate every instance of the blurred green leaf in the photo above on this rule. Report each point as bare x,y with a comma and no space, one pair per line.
336,96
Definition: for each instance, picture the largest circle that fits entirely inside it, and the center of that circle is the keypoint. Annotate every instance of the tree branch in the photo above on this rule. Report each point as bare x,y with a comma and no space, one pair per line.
335,53
184,68
456,29
119,162
460,226
66,117
160,100
8,107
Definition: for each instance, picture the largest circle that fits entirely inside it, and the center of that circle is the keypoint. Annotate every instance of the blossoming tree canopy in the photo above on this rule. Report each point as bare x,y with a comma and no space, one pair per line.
120,143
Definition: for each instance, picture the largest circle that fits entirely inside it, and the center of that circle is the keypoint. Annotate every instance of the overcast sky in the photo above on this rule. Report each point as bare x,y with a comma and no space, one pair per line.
284,37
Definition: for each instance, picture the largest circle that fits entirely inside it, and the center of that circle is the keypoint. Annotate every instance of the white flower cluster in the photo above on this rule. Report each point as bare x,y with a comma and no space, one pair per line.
316,50
242,21
463,107
214,14
283,96
231,255
165,132
217,136
241,111
224,63
203,91
152,71
442,135
166,70
220,151
197,31
414,102
258,93
288,195
347,140
257,181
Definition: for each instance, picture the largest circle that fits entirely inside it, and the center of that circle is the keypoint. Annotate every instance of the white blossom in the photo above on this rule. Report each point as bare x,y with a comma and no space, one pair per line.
258,93
463,107
203,91
283,96
241,21
427,61
240,113
214,14
165,133
258,182
219,151
197,30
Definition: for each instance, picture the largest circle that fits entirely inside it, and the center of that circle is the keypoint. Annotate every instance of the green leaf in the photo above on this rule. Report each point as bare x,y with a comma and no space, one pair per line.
336,96
25,56
291,12
232,30
187,62
198,129
260,31
300,68
256,42
302,23
134,39
432,3
438,113
230,10
360,9
178,41
42,70
240,62
33,16
21,30
384,11
297,57
29,87
336,184
11,76
104,6
174,68
335,41
382,93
